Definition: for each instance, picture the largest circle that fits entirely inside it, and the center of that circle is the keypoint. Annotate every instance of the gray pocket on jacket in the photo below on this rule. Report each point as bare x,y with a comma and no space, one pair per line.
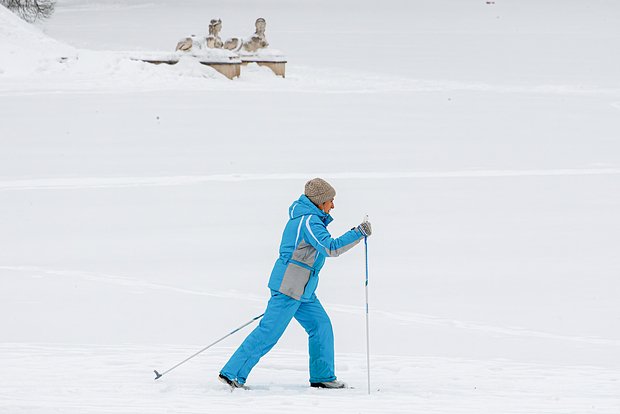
295,280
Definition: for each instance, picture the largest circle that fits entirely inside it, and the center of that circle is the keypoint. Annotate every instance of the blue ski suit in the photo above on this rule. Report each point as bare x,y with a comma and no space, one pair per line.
305,245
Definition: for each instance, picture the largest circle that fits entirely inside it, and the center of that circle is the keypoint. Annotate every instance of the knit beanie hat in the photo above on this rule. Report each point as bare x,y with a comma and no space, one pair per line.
319,191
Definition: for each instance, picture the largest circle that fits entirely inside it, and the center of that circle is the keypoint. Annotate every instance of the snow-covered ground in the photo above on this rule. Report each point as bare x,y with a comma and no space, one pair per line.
141,206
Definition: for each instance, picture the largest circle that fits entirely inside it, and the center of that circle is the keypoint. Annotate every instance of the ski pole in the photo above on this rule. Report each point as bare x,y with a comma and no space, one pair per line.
367,331
158,375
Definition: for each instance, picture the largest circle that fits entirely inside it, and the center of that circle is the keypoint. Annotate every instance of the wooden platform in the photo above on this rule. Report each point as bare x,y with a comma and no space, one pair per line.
277,67
229,69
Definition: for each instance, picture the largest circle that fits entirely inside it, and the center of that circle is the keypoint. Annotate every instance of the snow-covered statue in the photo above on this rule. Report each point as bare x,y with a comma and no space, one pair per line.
234,51
232,44
258,39
213,40
256,50
185,44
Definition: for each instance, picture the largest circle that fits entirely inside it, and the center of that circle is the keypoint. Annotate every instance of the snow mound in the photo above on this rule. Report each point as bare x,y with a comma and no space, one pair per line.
30,59
27,54
24,49
120,69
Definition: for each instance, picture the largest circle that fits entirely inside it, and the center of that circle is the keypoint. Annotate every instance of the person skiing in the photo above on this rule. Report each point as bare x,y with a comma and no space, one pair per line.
294,278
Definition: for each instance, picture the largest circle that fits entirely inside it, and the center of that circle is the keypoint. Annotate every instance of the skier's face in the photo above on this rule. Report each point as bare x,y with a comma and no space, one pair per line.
327,206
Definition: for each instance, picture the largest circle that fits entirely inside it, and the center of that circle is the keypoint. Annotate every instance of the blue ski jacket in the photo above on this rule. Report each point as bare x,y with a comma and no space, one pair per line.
305,245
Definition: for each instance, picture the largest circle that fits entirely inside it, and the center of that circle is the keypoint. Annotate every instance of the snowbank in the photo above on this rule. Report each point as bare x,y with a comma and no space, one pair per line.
27,55
25,50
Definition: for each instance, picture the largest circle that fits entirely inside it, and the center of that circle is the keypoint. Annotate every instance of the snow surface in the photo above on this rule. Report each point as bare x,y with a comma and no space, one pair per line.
141,206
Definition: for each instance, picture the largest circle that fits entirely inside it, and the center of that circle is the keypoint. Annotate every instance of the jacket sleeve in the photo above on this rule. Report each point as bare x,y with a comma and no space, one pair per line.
318,236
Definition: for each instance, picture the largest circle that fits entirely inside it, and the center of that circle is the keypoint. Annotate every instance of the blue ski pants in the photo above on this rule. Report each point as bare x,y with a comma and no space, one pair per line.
280,310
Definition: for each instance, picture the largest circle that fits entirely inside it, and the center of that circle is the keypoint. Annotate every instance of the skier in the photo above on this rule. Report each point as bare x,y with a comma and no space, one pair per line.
305,245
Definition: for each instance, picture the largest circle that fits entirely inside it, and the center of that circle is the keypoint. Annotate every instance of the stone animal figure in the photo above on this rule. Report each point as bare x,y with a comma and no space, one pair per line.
258,39
213,40
185,44
233,44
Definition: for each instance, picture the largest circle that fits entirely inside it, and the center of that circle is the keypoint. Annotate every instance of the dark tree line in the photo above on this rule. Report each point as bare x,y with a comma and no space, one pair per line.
30,10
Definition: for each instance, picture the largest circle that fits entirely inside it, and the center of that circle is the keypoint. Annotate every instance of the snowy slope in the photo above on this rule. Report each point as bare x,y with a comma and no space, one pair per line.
141,206
25,50
32,60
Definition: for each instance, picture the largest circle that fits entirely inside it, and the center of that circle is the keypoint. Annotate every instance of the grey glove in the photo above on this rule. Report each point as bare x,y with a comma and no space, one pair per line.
365,228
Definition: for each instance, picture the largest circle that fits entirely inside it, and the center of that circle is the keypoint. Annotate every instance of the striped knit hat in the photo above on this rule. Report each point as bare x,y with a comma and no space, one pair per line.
319,191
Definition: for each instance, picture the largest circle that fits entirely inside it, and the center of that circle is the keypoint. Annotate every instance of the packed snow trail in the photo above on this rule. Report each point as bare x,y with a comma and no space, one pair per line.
118,379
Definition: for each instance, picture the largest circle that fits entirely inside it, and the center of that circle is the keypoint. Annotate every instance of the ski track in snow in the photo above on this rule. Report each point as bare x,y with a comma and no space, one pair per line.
71,183
399,317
